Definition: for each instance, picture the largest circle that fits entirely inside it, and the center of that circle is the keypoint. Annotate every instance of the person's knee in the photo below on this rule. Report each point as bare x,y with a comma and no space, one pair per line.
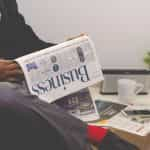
7,90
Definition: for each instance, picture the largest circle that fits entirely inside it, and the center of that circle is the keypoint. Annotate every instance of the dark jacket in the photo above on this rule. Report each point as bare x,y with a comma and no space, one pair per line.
16,37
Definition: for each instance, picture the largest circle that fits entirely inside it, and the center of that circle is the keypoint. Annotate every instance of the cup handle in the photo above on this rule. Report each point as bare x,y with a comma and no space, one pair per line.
139,88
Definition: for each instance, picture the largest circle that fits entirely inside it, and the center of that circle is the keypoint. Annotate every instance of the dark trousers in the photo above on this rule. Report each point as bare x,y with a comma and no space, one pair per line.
29,123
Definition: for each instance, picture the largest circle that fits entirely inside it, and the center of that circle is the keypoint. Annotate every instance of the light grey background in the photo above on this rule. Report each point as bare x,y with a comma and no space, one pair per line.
120,29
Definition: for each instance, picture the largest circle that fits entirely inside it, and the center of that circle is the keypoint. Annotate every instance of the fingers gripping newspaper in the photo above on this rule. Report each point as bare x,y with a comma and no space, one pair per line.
61,70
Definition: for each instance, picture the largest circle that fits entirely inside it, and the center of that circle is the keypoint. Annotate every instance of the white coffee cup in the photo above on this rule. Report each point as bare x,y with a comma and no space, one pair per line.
128,89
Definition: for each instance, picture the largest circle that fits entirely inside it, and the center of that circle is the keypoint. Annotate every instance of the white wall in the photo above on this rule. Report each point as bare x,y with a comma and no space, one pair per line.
120,29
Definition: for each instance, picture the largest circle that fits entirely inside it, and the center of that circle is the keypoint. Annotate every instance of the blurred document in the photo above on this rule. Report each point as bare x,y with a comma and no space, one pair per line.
116,115
80,105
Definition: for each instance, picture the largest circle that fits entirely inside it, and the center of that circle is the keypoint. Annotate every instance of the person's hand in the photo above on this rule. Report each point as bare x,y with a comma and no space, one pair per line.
74,37
10,71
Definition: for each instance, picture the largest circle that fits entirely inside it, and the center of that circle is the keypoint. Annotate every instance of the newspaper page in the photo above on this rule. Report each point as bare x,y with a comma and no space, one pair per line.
133,119
80,105
63,69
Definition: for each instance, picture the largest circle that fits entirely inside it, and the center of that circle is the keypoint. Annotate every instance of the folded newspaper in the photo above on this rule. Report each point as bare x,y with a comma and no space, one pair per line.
132,118
63,69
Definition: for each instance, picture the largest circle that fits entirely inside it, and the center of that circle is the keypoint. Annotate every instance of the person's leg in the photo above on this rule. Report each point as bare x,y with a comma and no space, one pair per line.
71,130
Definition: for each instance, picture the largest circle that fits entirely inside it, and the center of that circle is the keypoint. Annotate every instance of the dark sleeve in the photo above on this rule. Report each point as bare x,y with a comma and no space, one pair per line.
19,39
16,37
29,41
114,142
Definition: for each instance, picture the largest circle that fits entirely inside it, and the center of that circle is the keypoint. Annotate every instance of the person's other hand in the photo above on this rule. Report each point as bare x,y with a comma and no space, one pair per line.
74,37
10,71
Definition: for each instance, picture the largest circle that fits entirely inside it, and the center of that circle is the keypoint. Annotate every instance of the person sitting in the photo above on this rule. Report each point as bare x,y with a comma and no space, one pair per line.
26,121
